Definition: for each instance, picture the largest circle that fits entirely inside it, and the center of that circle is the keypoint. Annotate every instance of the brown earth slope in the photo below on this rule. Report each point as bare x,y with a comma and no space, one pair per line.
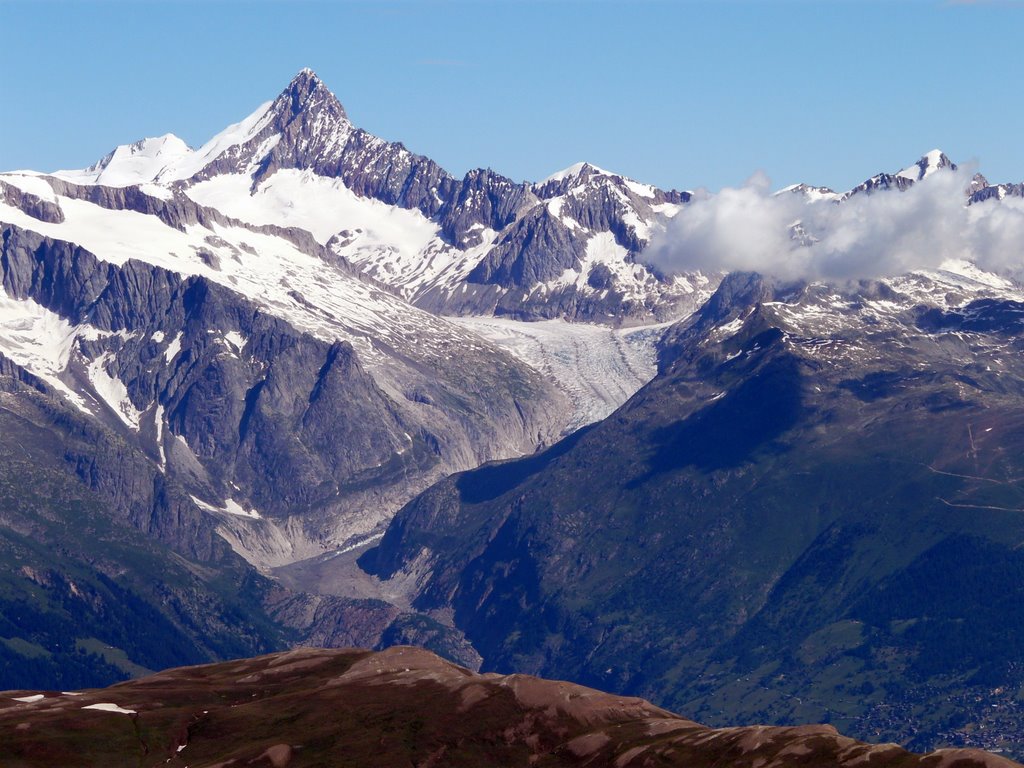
400,707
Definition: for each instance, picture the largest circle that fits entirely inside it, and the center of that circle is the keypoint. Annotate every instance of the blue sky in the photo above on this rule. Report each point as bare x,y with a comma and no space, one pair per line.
680,94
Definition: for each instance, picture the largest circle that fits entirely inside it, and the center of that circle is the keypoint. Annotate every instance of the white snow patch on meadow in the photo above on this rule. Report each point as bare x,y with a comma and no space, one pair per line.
107,706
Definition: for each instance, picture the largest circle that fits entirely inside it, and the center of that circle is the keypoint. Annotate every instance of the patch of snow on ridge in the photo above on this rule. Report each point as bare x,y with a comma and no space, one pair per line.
158,423
967,269
113,391
236,340
239,133
668,210
231,507
107,706
34,337
234,508
173,348
262,151
155,190
641,190
727,329
603,250
573,171
32,183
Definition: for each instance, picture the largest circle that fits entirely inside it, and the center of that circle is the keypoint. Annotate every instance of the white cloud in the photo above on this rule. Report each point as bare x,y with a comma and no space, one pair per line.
868,236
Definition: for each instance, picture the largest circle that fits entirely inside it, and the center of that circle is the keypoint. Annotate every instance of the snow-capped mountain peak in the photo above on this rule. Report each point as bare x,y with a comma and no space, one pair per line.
306,121
575,171
810,193
304,127
929,163
306,92
583,178
135,163
481,244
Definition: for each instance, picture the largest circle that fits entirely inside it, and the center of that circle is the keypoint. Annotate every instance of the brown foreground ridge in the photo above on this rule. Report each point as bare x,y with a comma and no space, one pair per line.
400,707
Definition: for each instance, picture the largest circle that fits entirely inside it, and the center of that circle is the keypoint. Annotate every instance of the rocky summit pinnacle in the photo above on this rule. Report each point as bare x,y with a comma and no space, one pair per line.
305,127
306,91
564,247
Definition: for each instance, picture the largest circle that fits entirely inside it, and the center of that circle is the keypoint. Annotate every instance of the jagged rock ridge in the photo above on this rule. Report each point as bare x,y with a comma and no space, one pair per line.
565,247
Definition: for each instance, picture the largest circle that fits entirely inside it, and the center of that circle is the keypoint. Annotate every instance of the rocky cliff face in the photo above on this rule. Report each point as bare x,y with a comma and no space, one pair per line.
33,205
202,423
288,431
96,543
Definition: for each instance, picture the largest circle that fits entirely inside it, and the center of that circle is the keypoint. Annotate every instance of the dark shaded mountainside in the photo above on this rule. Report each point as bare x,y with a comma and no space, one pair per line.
87,595
403,706
171,394
813,513
108,567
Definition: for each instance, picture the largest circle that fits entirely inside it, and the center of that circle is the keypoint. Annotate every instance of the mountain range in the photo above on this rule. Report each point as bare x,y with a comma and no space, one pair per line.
302,385
483,244
812,513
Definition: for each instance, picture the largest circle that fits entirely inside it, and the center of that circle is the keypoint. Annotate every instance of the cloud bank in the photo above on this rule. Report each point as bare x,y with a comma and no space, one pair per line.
867,236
